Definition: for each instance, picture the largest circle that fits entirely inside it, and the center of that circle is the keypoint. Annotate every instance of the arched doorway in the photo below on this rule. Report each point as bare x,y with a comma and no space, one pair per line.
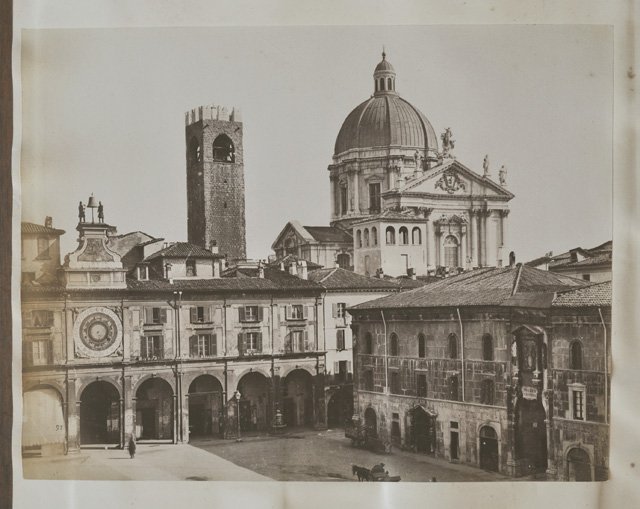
100,414
154,410
340,408
489,449
422,430
205,407
254,402
297,398
371,421
531,435
43,426
578,465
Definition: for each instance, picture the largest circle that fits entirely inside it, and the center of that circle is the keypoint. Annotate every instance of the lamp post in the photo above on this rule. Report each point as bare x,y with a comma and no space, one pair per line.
237,396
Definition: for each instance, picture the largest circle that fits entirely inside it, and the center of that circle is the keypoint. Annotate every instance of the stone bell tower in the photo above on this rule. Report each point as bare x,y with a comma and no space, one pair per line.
215,180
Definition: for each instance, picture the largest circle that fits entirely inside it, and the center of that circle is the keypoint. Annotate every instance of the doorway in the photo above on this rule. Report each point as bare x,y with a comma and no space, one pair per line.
578,465
489,458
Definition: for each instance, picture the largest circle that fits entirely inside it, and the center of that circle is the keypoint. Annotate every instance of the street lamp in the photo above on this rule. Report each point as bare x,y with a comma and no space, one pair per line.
237,396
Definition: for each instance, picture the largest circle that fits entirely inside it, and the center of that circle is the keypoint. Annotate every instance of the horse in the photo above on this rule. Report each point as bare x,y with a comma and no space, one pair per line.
364,474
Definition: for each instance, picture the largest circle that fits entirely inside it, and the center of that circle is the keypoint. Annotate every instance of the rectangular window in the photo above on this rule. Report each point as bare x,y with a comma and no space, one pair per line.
577,403
341,310
343,199
37,351
374,197
253,342
41,318
143,272
155,316
151,347
343,370
191,268
586,277
200,314
250,313
295,341
395,383
421,386
296,312
203,345
340,343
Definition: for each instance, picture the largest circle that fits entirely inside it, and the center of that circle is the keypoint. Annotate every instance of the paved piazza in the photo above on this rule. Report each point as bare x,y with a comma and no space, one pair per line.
306,455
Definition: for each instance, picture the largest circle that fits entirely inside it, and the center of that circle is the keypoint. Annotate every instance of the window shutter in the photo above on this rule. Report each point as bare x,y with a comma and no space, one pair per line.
348,366
336,367
148,315
305,313
193,346
206,314
287,343
259,345
334,310
307,346
241,314
240,344
214,345
288,312
163,315
260,313
193,313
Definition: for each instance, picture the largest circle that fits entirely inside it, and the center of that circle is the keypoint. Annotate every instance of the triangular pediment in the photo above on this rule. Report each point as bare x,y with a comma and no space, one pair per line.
454,179
293,229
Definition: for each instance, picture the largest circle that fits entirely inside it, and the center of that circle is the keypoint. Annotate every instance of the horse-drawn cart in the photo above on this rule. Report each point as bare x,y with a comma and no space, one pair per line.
365,437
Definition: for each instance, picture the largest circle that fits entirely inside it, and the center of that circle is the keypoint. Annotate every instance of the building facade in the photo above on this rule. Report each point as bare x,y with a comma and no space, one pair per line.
215,180
593,264
110,355
477,368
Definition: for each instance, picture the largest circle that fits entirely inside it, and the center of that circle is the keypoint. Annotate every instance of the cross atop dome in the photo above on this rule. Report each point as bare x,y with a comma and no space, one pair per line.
384,77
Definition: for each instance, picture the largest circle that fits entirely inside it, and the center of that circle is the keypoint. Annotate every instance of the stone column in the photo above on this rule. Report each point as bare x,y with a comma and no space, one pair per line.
492,238
473,216
69,334
505,236
463,246
547,398
430,241
440,246
73,417
129,410
482,233
356,192
332,187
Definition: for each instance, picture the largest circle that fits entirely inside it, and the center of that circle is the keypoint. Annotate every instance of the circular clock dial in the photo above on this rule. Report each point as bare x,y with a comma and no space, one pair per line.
98,331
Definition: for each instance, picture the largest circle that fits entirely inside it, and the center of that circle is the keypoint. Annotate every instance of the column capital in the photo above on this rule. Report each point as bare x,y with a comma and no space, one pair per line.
504,212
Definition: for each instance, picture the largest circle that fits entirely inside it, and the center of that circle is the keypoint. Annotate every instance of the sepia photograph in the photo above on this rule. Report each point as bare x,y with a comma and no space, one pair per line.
319,253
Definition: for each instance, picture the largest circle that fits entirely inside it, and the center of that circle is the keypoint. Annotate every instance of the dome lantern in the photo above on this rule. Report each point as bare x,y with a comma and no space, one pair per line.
384,77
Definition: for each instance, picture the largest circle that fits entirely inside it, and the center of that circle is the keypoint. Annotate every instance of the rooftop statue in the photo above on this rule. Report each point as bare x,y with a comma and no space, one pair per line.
448,143
485,165
502,175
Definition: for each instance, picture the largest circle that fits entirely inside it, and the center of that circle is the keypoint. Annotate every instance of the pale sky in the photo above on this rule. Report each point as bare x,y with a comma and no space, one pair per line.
103,113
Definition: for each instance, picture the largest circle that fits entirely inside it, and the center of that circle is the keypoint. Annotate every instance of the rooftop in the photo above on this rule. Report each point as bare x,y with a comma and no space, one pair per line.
39,229
183,250
328,234
342,279
598,294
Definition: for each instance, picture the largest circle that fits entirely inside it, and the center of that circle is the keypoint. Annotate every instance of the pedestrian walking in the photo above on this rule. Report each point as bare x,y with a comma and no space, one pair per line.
132,447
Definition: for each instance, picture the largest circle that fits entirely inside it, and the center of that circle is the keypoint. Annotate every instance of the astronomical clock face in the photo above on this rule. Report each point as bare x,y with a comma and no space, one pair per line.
97,332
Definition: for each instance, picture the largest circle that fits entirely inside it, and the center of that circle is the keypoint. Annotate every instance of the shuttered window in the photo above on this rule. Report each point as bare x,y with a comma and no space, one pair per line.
340,343
250,313
203,345
249,342
37,351
296,341
200,314
151,347
155,316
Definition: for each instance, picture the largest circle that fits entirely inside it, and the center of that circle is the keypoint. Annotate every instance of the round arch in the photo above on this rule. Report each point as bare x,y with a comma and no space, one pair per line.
100,413
489,446
166,378
255,401
43,422
224,149
155,409
287,370
371,421
88,381
578,460
297,398
205,408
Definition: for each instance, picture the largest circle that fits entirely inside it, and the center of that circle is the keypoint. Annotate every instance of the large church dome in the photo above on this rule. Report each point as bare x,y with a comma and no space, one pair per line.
387,120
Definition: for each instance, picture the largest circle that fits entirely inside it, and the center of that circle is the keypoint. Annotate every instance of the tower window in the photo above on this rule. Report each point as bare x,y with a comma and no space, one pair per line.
195,151
223,149
359,238
343,199
394,349
366,237
374,197
389,87
576,355
487,347
404,235
374,236
416,236
391,235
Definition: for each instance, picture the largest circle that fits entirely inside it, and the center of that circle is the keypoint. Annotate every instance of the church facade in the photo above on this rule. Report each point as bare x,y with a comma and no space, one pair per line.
408,204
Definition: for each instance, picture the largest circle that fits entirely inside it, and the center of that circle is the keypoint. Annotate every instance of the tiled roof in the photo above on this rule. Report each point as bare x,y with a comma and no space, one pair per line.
287,260
342,279
40,229
182,250
600,259
598,294
480,287
595,255
328,234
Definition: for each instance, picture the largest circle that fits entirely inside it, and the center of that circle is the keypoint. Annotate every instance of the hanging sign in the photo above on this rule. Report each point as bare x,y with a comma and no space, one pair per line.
529,393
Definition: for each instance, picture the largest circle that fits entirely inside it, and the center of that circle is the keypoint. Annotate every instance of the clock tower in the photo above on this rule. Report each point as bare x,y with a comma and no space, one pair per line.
215,180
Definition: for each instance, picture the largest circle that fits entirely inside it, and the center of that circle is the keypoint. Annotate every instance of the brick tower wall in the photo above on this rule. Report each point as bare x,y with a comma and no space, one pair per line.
215,189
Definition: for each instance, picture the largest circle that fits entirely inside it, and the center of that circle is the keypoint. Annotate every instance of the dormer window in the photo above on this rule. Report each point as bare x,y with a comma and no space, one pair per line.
191,268
143,272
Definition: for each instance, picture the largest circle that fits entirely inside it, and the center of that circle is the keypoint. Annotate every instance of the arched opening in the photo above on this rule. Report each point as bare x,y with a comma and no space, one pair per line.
403,233
487,347
340,408
100,414
358,238
297,398
578,465
223,149
422,346
489,458
368,344
390,235
576,355
343,261
374,236
205,407
453,346
371,421
255,410
43,425
381,83
154,410
366,237
451,258
422,431
389,87
393,345
416,236
195,151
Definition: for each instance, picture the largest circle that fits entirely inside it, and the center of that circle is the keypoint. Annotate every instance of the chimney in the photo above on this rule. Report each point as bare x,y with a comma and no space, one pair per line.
512,259
302,270
260,270
213,247
48,222
167,271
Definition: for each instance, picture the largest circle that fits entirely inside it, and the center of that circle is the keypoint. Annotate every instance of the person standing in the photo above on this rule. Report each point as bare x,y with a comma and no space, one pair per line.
132,447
